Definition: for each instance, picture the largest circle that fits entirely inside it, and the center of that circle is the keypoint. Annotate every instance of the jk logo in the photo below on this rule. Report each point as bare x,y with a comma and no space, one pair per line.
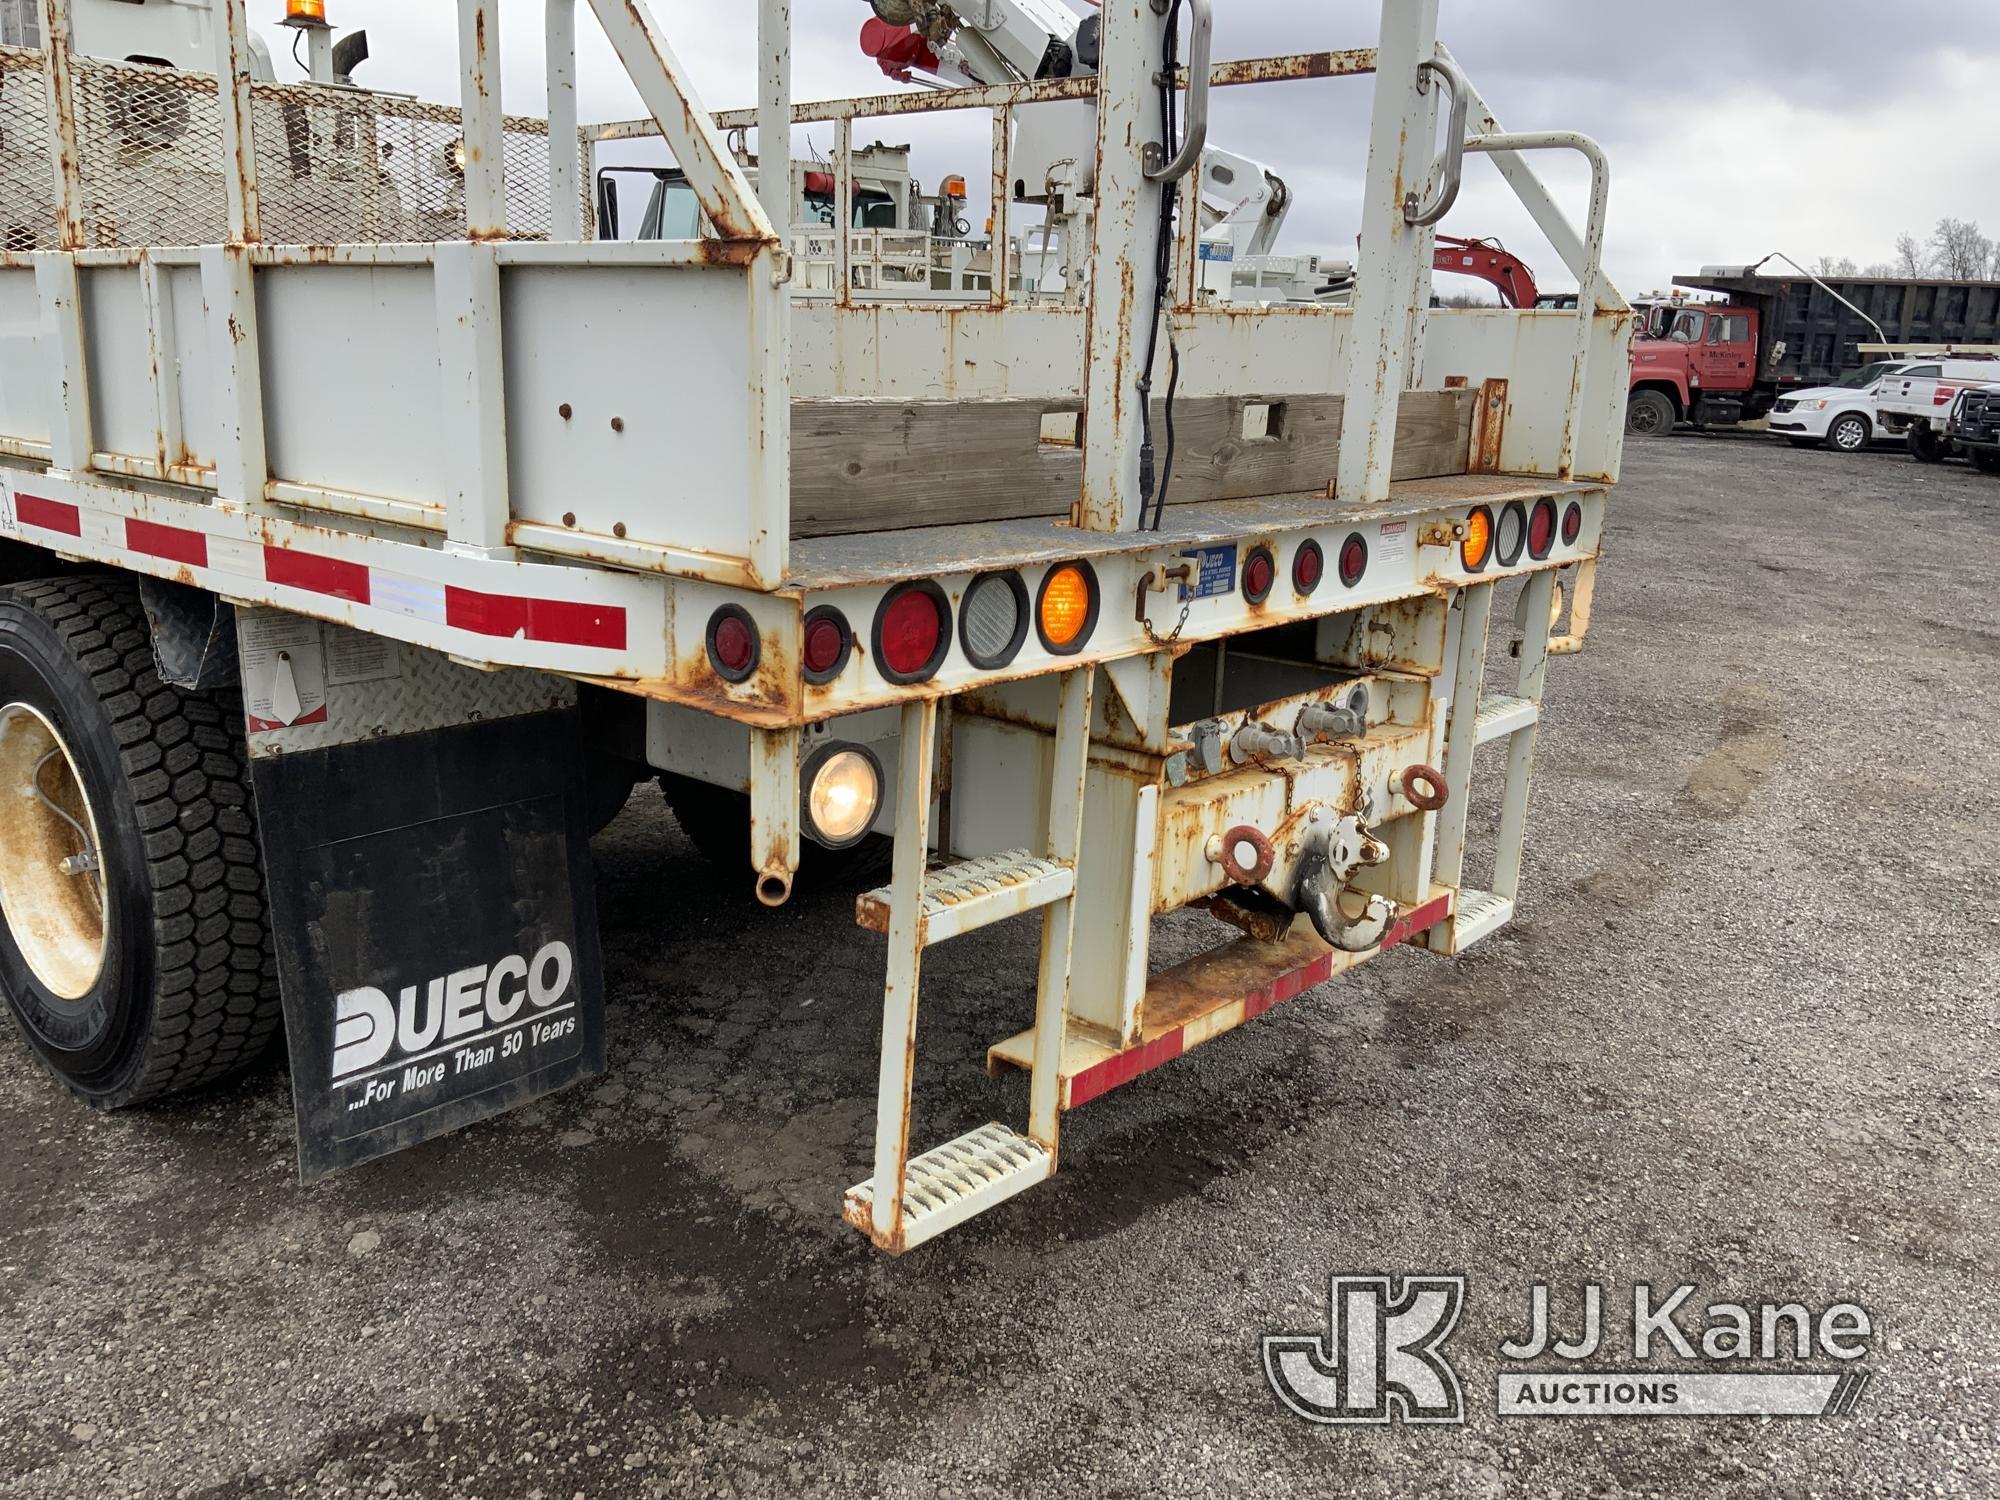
1379,1358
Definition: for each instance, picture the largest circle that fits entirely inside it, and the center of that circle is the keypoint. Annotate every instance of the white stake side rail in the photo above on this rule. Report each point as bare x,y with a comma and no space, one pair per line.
424,439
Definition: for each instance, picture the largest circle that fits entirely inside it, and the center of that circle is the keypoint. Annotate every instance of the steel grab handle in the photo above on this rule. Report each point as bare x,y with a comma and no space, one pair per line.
1157,169
1453,160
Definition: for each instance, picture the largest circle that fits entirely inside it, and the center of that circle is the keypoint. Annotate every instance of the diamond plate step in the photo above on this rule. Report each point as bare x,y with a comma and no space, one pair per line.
1480,914
975,893
951,1183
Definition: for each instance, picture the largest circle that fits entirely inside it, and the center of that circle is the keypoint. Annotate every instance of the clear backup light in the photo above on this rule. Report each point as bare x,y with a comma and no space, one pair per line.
843,793
1510,533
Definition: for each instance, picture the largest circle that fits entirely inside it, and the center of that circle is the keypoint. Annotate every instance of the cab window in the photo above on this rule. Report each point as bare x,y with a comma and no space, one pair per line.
1729,328
1686,327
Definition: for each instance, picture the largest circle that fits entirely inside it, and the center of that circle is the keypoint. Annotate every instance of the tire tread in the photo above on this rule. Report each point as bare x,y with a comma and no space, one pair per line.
186,764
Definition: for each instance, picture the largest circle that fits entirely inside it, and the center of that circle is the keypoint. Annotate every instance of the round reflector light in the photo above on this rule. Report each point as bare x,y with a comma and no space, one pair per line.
1353,558
843,792
1308,566
733,647
912,632
1510,533
827,642
1476,549
1066,612
993,620
1572,524
1260,571
1542,528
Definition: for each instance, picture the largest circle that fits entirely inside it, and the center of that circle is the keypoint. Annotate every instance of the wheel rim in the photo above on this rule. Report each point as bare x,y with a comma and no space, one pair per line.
1645,418
1847,435
51,878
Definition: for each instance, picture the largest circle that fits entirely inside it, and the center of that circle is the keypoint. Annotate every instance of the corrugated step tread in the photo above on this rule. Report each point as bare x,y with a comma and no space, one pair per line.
1479,914
950,1183
1504,714
975,892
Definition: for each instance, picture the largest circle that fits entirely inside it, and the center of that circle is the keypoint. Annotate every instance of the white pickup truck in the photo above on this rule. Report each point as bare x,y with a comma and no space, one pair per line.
1918,401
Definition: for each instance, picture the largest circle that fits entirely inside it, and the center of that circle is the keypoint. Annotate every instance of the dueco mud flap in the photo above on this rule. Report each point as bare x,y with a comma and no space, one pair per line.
430,884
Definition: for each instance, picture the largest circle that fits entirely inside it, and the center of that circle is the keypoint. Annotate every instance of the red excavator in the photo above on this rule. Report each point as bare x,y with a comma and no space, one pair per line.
1489,261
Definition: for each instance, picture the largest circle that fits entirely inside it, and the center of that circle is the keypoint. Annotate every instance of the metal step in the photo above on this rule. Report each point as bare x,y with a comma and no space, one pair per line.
1501,715
975,893
951,1183
1479,914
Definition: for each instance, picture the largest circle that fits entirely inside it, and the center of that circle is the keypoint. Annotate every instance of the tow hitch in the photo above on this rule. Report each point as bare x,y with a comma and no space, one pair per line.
1333,852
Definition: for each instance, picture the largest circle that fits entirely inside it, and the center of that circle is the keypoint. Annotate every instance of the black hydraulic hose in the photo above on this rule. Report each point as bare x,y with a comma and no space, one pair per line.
1152,483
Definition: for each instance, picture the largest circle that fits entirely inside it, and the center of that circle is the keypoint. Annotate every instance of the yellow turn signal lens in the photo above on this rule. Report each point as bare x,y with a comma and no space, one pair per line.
1067,605
306,10
1478,542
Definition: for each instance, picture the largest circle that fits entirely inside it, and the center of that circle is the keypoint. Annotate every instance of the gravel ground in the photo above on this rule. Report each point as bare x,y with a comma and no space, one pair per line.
1742,1035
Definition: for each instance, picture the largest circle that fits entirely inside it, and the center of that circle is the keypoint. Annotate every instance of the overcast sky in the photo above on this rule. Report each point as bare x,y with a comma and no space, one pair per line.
1819,127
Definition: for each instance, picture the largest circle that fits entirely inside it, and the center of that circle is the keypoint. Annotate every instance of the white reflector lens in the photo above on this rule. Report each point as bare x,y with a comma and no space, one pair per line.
993,622
842,800
1510,535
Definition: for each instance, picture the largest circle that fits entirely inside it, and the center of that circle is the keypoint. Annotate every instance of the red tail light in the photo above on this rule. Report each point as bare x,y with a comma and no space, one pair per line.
827,641
1353,559
1542,528
1572,524
733,647
1260,571
1943,394
912,632
1308,566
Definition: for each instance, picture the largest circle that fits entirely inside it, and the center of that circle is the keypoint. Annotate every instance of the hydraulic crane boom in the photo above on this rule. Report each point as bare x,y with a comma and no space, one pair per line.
1013,41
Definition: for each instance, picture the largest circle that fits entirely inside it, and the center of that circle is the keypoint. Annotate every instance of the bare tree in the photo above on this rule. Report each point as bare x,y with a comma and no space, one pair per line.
1879,268
1826,265
1911,257
1959,251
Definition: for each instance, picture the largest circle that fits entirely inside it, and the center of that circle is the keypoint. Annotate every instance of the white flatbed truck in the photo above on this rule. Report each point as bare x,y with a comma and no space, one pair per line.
369,541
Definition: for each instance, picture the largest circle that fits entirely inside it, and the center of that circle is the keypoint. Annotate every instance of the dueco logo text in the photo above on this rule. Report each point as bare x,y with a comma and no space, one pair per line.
452,1008
1380,1358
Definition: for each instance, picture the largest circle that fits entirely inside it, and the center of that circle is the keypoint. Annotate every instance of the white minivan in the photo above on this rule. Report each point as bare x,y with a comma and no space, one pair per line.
1841,415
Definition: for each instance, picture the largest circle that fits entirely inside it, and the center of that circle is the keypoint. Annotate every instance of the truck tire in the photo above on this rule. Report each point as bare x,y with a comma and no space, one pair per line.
1925,446
148,970
1986,460
717,822
1649,414
1850,433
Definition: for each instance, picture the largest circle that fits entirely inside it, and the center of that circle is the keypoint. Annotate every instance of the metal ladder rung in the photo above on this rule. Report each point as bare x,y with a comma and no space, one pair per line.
950,1183
974,893
1502,715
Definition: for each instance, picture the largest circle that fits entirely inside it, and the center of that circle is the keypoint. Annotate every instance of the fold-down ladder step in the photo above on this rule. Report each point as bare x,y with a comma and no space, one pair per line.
975,893
1503,714
951,1183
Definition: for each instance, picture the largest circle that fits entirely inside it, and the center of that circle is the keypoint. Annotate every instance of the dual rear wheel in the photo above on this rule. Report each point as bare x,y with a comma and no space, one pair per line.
134,948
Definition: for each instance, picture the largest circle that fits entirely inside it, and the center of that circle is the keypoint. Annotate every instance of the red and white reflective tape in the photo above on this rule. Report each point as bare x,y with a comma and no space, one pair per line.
549,622
1100,1078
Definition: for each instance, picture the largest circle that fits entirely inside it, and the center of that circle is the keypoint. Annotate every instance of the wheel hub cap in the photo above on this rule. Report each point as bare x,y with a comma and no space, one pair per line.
51,883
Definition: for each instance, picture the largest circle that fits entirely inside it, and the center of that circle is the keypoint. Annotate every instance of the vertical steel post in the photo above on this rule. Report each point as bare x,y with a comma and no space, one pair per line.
565,152
906,952
59,291
770,435
484,134
774,114
1462,733
1123,273
1537,596
774,812
239,146
1068,772
65,153
1386,322
1003,194
473,413
843,209
242,462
